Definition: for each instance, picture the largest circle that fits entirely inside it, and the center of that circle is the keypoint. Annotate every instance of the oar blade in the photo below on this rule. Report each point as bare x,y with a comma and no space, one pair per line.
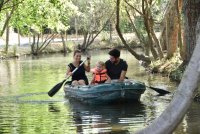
160,91
55,89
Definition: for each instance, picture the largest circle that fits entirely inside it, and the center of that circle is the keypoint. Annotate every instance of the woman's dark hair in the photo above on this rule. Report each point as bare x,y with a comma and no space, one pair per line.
76,51
114,52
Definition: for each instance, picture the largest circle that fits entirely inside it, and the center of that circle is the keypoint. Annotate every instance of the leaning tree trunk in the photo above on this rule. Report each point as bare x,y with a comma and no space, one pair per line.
146,16
140,37
174,113
8,17
157,43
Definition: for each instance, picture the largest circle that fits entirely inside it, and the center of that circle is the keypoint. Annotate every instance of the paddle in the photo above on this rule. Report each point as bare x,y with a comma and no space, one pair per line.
158,90
57,87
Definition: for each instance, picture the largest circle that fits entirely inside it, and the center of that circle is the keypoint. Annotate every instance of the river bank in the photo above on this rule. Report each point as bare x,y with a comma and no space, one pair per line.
166,67
15,51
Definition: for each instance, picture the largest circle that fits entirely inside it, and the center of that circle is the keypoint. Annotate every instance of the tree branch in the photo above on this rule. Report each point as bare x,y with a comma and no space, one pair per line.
137,56
134,8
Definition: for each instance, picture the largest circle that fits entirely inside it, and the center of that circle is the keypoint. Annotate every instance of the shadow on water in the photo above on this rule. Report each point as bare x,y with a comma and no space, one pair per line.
112,119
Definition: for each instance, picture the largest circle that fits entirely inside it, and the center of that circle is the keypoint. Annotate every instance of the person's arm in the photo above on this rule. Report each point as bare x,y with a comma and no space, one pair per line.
87,67
108,79
122,76
92,81
123,72
68,73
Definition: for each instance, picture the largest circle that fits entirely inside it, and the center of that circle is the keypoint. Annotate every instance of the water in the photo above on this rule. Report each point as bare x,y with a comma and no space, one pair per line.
25,107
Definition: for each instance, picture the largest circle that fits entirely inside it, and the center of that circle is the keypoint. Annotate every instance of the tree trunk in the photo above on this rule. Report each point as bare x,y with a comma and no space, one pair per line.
33,45
137,56
173,31
89,37
174,113
140,37
110,29
7,36
18,37
37,44
76,28
64,44
45,43
85,36
151,25
191,12
8,16
180,34
146,16
66,36
29,39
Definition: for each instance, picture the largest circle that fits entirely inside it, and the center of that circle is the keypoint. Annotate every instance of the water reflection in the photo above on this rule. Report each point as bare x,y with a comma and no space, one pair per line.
118,118
26,108
53,108
191,120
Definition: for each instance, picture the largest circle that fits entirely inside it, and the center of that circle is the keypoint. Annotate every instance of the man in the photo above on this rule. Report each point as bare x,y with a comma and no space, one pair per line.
116,67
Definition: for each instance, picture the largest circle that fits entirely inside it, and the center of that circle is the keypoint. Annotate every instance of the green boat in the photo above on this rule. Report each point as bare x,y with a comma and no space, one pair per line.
128,91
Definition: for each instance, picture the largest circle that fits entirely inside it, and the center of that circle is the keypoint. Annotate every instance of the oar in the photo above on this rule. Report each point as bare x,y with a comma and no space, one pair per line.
57,87
158,90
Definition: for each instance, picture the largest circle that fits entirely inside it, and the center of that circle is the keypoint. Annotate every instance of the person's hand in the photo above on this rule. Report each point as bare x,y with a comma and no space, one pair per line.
69,74
88,60
88,57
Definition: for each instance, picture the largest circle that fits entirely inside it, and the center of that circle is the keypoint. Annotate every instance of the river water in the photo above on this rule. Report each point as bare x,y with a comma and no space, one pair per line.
25,107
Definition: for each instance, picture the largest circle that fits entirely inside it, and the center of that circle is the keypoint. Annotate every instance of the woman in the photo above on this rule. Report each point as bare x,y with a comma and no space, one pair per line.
78,77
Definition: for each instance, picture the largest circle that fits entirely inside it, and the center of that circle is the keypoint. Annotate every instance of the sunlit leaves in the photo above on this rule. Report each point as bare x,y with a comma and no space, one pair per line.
92,14
35,14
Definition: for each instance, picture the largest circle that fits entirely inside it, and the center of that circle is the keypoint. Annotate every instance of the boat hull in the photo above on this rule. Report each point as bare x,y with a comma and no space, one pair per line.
107,92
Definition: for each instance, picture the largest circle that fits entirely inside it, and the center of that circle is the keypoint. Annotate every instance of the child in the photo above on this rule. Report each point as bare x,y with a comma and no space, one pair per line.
99,74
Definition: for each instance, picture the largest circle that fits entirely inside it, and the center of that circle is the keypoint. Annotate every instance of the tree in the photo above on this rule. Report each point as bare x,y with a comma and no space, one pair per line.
90,19
137,56
7,7
176,110
33,16
191,13
148,12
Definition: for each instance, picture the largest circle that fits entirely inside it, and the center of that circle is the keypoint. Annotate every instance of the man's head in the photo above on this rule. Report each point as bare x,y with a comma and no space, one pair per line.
114,55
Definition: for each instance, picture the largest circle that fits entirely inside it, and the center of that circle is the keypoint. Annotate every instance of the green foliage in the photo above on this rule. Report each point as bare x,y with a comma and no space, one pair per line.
139,23
104,36
35,14
125,26
91,15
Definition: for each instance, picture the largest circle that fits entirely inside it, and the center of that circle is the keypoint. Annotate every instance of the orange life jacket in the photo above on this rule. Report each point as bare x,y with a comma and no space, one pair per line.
100,76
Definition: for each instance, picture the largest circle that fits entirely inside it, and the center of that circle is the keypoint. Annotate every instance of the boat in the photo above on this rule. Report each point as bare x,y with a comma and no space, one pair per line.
127,91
